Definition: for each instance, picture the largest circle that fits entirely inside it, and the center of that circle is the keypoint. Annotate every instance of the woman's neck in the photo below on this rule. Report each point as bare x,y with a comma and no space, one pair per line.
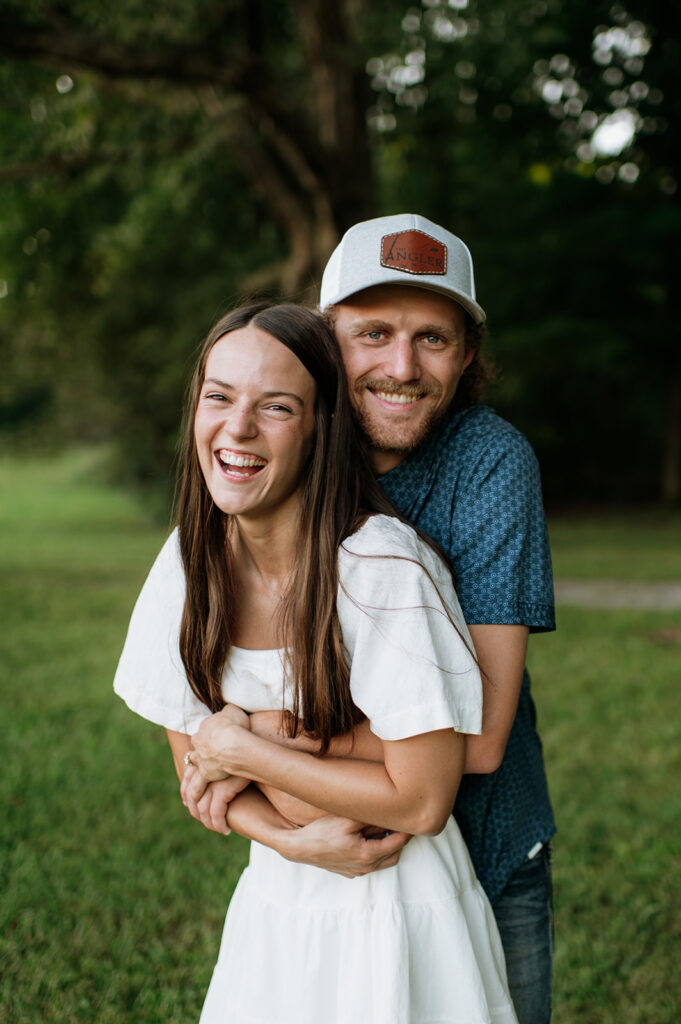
265,546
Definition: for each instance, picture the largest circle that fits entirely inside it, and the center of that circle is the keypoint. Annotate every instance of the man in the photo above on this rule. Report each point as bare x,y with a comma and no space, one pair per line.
399,292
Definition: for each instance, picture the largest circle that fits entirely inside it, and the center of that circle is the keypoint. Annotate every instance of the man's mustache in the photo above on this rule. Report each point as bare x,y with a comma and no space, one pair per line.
412,389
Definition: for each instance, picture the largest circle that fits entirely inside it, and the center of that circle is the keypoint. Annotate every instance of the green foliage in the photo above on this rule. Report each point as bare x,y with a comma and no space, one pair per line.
574,273
160,160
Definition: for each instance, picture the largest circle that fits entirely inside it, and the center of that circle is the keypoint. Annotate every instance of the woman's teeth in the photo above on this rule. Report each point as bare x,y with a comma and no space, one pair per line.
228,458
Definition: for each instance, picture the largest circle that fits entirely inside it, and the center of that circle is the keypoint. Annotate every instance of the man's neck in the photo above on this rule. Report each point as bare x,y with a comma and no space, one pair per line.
383,462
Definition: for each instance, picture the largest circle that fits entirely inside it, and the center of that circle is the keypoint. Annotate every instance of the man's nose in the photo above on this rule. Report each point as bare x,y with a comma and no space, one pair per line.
402,363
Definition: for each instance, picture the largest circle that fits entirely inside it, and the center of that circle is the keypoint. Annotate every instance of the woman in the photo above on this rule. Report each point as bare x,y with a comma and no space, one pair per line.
290,585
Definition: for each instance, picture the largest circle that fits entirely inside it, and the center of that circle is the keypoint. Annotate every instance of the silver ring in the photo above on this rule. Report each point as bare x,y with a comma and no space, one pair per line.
188,759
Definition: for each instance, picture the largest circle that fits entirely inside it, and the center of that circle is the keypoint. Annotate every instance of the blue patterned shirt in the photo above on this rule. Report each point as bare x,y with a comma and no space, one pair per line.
473,486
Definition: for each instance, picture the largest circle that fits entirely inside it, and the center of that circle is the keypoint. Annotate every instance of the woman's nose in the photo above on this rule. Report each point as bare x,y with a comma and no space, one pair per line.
242,422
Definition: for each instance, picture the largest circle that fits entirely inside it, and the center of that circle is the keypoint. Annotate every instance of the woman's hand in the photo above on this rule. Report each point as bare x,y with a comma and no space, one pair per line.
208,768
208,801
215,739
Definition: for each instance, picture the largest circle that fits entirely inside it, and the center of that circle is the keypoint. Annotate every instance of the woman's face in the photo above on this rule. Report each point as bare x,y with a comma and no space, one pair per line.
254,424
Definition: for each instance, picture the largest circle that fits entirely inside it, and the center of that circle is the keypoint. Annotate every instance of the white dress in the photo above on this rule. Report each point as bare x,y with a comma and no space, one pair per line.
416,943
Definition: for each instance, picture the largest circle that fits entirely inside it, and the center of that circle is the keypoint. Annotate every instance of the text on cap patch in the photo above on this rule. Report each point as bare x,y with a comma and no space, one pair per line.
414,252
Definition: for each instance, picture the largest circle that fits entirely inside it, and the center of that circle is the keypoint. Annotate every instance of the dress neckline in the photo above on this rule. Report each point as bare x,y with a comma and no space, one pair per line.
256,650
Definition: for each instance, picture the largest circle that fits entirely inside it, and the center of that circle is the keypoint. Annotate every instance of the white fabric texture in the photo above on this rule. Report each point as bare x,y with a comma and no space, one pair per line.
410,673
413,944
150,676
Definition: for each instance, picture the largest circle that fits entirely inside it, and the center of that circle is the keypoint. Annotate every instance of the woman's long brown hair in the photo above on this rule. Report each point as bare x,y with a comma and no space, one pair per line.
338,491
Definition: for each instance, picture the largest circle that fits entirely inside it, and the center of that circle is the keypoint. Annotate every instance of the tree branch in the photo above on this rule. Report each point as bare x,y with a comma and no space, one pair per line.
72,163
65,45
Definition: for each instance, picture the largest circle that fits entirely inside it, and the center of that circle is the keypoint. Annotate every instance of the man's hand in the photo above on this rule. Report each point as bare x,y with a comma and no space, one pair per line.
338,845
208,801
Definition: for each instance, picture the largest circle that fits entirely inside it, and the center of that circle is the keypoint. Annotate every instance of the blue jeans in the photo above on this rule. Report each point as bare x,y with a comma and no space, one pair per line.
524,914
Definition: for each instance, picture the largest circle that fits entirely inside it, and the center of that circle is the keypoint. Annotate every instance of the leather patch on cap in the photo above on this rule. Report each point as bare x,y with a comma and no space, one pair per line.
414,252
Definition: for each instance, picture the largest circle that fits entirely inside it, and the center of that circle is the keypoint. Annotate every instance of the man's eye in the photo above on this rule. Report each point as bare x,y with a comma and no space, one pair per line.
375,335
432,339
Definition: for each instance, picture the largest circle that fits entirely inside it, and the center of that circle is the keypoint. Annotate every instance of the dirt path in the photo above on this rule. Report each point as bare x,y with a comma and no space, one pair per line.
655,596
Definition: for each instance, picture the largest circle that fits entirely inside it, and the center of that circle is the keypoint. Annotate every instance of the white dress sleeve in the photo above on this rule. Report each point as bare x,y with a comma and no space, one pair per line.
411,672
150,676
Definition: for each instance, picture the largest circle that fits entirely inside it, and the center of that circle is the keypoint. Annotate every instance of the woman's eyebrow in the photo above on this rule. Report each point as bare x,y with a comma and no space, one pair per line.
284,394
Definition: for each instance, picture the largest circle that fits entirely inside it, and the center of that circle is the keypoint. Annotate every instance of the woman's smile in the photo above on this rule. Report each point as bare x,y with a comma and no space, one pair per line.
239,465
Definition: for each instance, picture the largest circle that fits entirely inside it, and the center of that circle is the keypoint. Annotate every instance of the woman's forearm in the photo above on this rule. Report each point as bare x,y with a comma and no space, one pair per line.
252,815
413,791
295,812
359,743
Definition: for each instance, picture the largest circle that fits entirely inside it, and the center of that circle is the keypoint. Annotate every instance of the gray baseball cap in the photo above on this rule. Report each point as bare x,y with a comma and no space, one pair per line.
403,249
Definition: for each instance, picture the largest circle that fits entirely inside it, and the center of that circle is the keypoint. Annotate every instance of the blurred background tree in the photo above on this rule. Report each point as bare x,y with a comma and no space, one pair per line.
161,161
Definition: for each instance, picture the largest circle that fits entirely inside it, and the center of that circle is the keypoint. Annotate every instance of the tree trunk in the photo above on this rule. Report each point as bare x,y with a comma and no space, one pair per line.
671,460
307,159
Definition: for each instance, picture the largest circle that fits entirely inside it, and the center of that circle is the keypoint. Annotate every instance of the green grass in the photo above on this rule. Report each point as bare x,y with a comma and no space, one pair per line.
606,686
617,547
112,898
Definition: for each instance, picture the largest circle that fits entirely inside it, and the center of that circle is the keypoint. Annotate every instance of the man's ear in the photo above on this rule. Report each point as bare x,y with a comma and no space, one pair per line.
468,359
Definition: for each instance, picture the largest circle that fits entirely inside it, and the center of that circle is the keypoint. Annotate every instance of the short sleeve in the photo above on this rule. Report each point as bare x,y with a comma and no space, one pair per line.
150,676
499,543
411,671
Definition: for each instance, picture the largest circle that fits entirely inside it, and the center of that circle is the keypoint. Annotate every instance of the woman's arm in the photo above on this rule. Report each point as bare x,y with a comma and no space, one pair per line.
412,791
180,744
206,801
360,743
336,844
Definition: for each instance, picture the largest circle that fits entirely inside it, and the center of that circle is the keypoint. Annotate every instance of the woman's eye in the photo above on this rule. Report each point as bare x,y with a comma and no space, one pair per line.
215,396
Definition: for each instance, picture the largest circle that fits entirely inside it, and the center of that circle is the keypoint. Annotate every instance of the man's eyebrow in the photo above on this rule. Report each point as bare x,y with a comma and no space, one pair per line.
437,329
449,331
366,324
266,394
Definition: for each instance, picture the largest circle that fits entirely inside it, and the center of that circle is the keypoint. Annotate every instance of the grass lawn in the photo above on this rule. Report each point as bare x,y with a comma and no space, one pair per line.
617,547
112,898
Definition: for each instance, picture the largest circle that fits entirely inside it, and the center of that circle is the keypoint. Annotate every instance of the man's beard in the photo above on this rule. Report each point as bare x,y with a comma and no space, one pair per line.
395,438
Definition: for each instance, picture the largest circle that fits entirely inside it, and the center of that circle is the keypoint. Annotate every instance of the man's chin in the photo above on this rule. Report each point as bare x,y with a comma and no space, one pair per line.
393,439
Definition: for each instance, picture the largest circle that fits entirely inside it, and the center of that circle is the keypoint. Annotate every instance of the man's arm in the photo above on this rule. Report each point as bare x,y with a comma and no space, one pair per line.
501,654
333,843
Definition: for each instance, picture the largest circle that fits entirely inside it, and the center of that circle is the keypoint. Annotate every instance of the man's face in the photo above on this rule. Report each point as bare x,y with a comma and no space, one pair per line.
404,353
